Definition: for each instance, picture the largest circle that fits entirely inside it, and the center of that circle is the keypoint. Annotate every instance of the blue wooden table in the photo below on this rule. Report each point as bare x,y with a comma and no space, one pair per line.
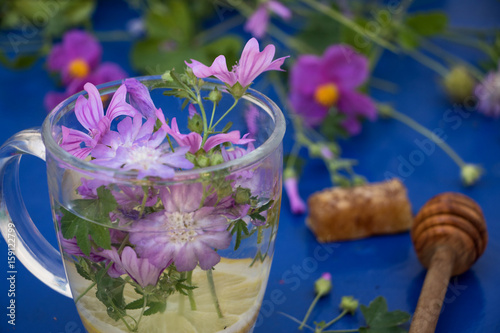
367,268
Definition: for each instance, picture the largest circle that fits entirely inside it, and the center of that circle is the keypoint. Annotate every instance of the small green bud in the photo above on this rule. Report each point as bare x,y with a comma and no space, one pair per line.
349,304
215,96
216,158
323,285
167,76
289,173
237,90
470,174
314,150
385,110
195,124
224,190
242,195
191,158
459,84
203,161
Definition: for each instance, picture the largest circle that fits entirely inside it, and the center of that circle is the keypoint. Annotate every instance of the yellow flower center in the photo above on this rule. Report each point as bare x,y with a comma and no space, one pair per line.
327,94
78,68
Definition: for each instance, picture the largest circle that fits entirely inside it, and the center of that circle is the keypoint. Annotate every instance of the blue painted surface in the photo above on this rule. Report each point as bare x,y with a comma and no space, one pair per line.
364,269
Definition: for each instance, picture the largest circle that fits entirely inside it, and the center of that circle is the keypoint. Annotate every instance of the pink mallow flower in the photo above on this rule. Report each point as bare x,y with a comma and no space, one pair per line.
251,64
257,23
136,147
297,205
193,140
186,232
140,98
90,114
319,84
488,94
77,55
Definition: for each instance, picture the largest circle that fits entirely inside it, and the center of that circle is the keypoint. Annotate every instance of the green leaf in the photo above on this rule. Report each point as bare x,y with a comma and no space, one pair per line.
97,209
379,319
239,228
408,39
137,304
428,23
110,293
83,268
170,22
155,307
19,62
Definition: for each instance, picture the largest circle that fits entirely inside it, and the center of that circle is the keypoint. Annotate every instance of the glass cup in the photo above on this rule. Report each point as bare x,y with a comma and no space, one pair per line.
188,254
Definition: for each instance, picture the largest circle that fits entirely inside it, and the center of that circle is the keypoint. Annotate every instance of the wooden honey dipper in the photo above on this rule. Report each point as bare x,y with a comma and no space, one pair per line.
449,235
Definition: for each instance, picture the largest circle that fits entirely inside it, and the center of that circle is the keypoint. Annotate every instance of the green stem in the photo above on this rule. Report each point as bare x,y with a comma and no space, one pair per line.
204,116
333,321
189,280
219,30
225,114
144,200
213,114
211,284
308,313
92,285
295,320
470,42
429,62
342,331
293,155
427,133
322,8
142,312
289,41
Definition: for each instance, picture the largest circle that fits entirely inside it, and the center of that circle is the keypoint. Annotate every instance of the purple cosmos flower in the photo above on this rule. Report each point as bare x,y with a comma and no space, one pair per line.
252,63
257,23
184,231
319,83
136,147
77,55
106,72
140,98
90,114
297,205
193,140
488,94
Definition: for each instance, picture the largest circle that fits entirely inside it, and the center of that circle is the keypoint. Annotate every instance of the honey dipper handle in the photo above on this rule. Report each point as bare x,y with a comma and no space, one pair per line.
433,292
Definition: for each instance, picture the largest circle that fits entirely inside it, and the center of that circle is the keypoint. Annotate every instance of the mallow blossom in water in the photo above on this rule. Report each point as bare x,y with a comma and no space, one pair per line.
154,231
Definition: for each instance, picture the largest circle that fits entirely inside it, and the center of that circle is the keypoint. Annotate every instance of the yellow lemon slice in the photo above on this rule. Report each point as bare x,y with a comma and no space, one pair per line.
239,287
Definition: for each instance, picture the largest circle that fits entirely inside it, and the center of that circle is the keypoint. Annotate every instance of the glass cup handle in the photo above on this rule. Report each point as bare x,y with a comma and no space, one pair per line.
16,226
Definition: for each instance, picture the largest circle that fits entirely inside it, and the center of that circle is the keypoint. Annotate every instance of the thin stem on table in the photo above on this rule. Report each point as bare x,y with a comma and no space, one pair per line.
335,15
295,320
211,284
308,313
333,321
342,331
427,133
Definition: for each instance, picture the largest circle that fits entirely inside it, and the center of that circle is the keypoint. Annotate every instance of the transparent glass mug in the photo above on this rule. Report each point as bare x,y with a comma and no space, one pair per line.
118,234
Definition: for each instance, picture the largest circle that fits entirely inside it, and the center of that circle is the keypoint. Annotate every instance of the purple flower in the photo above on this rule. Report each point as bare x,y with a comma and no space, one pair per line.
257,23
106,72
90,114
77,55
297,205
319,83
139,269
251,119
252,63
488,94
193,140
136,147
140,98
184,231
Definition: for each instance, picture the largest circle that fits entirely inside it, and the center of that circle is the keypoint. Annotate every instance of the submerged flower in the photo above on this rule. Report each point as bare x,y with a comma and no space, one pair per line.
136,147
251,64
140,98
297,205
320,83
90,114
488,94
184,232
257,23
77,55
193,140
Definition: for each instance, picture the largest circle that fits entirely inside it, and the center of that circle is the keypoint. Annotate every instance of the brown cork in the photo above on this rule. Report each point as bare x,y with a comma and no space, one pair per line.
351,213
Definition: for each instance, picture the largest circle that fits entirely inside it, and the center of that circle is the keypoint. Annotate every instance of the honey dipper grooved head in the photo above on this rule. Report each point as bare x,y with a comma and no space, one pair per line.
453,220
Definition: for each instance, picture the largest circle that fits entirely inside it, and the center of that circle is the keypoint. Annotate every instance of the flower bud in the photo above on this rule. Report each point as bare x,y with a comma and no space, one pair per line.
470,174
203,161
385,110
224,191
215,96
195,124
242,195
459,84
349,304
237,90
323,285
314,150
216,158
167,77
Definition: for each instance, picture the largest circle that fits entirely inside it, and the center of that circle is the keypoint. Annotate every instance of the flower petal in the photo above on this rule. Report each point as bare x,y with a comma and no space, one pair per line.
279,9
140,98
217,69
233,137
344,66
356,104
257,23
118,106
